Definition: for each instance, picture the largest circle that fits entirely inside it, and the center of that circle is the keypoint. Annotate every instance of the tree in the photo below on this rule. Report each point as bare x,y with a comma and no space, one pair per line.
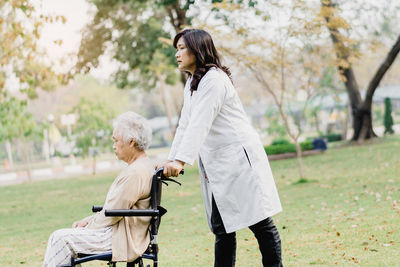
138,34
98,105
19,55
17,126
388,119
93,128
139,42
347,50
22,68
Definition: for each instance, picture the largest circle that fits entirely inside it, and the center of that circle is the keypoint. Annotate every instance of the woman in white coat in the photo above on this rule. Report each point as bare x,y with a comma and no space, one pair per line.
237,184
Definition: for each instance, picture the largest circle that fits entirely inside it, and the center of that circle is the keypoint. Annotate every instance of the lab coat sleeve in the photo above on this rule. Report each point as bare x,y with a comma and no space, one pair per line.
180,131
206,103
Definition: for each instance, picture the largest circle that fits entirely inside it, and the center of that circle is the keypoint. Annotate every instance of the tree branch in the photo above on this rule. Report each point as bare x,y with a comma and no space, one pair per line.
383,68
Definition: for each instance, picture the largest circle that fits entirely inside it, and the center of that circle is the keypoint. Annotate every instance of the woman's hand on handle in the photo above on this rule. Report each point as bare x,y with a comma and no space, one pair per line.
173,168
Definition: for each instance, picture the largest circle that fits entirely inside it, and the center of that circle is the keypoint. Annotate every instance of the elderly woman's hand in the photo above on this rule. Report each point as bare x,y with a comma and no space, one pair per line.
79,224
173,168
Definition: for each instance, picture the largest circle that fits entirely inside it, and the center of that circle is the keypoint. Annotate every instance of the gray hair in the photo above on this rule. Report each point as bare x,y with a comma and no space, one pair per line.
132,126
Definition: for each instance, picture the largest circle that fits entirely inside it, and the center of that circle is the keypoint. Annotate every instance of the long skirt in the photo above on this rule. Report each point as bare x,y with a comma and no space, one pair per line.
68,242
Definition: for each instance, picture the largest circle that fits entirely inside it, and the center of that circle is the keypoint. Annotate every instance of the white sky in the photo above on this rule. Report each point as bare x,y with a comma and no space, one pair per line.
78,13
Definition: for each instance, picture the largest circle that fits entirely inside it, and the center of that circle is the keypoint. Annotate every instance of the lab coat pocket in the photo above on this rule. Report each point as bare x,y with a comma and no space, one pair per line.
247,156
231,175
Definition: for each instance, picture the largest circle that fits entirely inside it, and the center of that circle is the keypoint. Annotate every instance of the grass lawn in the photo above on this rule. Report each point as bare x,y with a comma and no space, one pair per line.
347,214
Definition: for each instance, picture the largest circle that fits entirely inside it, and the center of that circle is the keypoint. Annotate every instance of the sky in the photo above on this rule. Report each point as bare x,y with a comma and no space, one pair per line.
78,13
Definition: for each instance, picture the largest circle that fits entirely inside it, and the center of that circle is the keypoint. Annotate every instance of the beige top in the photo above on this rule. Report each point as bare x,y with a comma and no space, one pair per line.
130,190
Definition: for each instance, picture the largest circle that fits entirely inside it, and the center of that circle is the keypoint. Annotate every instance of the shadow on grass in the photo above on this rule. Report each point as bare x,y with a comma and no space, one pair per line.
304,181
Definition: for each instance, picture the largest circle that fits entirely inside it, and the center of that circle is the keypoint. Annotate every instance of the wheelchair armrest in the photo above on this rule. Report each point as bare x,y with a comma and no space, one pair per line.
130,213
96,208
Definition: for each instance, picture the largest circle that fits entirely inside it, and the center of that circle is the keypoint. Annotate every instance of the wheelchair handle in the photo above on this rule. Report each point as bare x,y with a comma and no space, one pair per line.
160,172
96,208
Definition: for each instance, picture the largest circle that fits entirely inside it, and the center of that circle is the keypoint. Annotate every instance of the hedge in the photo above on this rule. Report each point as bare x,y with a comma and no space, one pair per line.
332,137
287,148
280,141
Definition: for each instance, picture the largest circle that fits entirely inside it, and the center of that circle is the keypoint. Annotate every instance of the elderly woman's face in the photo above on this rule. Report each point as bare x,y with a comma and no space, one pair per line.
122,150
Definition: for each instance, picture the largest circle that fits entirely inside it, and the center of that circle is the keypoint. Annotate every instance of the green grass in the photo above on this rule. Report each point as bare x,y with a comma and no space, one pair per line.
346,213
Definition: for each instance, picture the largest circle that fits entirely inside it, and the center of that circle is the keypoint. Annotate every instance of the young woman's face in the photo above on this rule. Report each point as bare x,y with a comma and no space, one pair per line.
186,59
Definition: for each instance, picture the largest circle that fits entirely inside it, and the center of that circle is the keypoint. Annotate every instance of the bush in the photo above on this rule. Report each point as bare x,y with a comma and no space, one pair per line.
280,141
332,137
307,145
287,148
388,119
280,149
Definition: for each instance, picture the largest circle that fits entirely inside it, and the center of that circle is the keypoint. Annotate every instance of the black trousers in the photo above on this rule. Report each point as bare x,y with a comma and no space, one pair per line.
266,233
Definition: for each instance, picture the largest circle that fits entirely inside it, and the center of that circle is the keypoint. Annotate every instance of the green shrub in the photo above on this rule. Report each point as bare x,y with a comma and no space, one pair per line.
388,119
307,145
280,141
332,137
287,148
280,149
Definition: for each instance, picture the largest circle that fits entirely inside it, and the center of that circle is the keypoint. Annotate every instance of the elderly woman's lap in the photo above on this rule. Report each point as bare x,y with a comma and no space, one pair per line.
66,242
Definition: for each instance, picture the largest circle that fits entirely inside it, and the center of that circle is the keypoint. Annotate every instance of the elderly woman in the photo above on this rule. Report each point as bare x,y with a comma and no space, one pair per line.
126,237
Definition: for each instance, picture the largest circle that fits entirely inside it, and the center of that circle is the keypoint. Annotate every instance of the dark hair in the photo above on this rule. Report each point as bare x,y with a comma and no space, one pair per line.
200,43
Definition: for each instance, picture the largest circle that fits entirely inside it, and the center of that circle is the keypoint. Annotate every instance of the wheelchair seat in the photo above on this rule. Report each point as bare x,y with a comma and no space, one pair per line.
156,211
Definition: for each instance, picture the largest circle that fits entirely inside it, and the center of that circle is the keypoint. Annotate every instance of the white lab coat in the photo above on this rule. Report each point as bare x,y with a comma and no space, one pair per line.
233,165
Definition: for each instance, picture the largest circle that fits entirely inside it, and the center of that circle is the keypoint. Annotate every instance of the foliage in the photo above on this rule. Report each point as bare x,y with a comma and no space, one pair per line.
287,148
275,125
18,126
15,120
280,141
22,69
332,137
137,40
94,127
19,55
388,119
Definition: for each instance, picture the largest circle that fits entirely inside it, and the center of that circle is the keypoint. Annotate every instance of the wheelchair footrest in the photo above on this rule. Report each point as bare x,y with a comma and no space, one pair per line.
89,257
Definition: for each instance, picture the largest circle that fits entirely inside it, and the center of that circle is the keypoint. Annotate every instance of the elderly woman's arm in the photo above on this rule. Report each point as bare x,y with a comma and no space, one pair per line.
123,195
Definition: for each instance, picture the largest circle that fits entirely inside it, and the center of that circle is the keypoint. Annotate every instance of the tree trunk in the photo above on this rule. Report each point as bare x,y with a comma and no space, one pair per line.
299,159
9,154
177,16
94,165
361,110
346,122
362,125
317,126
24,149
161,87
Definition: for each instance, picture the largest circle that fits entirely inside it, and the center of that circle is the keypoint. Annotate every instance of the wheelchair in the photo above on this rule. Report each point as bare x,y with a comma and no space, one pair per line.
155,212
